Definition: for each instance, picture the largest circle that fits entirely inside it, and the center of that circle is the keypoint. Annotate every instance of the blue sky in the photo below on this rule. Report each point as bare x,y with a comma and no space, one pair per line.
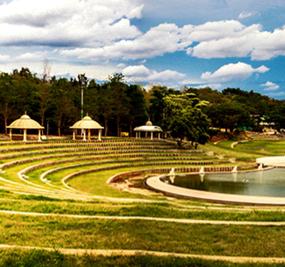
217,43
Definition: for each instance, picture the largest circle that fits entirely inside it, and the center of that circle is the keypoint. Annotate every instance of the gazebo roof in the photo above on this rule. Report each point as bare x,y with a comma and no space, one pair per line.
25,122
148,127
86,123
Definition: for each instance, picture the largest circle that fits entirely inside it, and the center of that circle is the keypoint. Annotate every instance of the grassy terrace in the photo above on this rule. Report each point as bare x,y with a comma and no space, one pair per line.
34,179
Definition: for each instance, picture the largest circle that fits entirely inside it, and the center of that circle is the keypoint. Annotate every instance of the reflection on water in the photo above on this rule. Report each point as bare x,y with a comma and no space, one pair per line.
260,183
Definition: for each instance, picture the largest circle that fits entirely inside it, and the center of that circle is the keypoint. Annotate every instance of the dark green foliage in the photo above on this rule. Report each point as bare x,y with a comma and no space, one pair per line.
57,102
184,118
34,258
119,106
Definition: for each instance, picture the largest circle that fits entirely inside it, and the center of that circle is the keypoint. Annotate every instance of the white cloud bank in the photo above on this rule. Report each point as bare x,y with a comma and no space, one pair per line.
67,22
86,33
103,30
232,72
241,41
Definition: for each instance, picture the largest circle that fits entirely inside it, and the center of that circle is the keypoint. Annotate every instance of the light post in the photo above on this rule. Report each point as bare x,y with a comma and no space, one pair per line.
82,81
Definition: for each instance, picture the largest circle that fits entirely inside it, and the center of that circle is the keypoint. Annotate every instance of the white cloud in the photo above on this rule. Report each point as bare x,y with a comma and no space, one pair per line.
136,71
82,32
220,39
100,72
167,76
67,22
270,86
35,56
246,14
230,72
164,38
215,30
240,41
142,74
4,58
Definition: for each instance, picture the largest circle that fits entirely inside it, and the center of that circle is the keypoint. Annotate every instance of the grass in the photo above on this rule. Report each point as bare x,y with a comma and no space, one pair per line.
59,232
251,241
251,149
164,209
40,258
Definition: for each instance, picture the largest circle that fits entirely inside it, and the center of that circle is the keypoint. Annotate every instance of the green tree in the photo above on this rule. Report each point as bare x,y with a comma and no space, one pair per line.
120,99
184,118
229,115
137,107
63,110
7,98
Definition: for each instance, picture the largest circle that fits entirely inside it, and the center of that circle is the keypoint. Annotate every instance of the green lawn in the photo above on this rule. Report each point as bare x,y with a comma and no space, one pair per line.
67,232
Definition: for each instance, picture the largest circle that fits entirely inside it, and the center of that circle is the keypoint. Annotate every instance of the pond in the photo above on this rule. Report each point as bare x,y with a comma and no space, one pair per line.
257,183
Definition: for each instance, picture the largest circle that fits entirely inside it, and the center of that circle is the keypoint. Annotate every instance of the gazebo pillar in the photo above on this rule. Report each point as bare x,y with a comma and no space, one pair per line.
158,136
25,135
73,135
99,134
89,134
84,135
39,136
151,135
137,136
11,135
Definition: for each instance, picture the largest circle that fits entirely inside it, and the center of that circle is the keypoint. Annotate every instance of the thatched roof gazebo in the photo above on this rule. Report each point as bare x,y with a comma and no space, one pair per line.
148,128
87,124
25,123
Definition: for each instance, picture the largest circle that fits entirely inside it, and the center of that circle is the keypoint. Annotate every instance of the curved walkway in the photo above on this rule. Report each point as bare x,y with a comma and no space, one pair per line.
277,161
156,184
130,253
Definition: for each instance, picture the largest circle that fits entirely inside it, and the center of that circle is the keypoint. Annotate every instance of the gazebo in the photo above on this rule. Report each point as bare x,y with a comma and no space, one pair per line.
148,128
25,123
87,124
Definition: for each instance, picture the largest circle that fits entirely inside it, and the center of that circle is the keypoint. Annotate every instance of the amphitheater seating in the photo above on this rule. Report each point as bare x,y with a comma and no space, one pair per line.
46,168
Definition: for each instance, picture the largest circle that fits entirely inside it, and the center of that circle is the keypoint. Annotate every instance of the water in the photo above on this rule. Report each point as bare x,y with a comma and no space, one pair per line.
259,183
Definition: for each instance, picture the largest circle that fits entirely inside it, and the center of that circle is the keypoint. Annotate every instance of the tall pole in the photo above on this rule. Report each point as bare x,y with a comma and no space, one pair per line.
82,101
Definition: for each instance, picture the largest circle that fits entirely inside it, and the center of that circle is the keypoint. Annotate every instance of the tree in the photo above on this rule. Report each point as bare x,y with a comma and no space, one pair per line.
184,118
276,116
63,109
229,115
157,104
7,98
137,107
120,99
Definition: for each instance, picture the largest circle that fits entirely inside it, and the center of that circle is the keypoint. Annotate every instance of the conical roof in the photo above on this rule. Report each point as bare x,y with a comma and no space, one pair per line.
25,122
86,123
148,127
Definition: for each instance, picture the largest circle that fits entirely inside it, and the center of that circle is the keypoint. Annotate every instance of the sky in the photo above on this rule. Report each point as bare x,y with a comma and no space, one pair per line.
177,43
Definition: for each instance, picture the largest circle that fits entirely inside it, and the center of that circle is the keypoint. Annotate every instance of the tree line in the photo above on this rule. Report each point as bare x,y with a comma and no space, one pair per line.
119,106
